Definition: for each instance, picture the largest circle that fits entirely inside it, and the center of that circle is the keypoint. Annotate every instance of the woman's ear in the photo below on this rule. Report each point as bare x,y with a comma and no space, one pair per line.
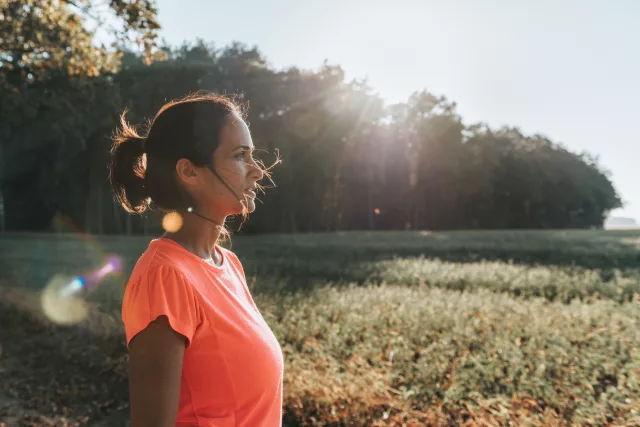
186,172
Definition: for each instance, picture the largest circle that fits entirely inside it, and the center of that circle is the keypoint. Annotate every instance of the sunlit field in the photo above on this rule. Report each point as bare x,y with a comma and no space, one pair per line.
484,328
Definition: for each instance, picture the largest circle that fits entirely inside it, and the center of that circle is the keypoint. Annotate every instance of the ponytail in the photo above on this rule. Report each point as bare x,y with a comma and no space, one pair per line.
128,168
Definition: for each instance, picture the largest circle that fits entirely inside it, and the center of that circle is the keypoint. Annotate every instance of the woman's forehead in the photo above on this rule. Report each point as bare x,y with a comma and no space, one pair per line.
235,133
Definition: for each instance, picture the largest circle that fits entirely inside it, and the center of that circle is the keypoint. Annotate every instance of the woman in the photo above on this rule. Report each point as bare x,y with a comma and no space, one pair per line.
200,353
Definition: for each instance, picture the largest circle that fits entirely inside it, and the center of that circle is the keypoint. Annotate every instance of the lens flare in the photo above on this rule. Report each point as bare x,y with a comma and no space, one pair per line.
61,298
59,304
112,265
92,279
73,287
172,222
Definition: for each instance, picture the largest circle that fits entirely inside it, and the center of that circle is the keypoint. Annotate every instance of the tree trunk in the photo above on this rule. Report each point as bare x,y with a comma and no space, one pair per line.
2,209
292,221
2,221
88,223
100,211
117,217
370,207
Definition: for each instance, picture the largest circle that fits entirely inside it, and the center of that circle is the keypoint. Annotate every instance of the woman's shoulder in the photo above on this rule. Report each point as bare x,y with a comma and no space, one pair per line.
229,254
159,256
233,262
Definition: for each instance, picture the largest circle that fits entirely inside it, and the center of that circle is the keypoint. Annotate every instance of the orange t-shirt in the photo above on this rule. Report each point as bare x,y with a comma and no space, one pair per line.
233,366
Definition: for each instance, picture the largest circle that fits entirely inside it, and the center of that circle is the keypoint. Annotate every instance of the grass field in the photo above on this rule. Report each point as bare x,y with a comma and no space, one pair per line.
414,328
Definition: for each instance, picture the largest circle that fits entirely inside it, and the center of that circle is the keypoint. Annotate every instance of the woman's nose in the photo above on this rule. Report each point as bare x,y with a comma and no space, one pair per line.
256,170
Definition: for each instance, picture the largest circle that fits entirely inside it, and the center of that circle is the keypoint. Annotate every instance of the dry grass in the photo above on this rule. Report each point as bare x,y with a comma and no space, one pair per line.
466,353
478,328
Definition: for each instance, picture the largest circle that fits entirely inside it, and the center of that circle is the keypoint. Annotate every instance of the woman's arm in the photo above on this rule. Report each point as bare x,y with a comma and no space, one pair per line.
155,368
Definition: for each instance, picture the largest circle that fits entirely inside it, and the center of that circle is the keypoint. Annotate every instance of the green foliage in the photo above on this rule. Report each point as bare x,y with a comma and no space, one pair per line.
557,265
57,101
42,38
350,162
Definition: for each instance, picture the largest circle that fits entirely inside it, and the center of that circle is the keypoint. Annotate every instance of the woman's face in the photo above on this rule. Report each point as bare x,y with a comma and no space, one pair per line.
234,165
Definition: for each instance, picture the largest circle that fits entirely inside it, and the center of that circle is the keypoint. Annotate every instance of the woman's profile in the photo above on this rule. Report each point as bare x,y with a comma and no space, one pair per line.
200,352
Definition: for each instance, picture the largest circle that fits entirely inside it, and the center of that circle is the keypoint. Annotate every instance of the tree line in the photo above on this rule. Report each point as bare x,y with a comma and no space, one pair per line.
350,161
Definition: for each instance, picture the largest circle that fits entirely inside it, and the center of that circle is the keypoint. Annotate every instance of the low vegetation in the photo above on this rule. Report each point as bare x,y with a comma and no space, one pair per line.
482,328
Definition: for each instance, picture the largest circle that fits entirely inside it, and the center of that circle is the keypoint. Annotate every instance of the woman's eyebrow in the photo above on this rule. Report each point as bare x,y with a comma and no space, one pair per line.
244,147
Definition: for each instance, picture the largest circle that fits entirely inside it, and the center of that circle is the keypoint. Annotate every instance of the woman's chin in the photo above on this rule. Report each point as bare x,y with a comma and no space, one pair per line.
250,205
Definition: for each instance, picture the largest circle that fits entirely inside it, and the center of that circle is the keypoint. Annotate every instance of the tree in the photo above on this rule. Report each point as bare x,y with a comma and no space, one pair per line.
350,162
49,66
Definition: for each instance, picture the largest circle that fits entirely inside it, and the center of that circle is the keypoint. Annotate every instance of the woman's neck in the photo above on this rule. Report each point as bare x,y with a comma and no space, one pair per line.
199,236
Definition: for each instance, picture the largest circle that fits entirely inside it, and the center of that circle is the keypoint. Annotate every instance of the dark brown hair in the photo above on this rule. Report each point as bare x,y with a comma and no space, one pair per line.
142,169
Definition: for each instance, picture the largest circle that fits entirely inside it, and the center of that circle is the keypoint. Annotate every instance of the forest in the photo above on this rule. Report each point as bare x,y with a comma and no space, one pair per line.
350,161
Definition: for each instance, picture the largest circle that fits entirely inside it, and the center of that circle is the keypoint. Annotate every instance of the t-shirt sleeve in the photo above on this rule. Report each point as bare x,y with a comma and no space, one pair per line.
161,291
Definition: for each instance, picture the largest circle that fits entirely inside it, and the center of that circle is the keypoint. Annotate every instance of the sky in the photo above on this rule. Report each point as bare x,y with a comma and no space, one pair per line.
567,69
